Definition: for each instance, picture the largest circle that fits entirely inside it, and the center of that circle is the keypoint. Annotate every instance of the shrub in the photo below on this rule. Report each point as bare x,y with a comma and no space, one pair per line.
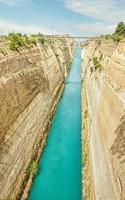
101,55
41,40
116,37
15,41
47,42
85,114
33,41
97,64
33,168
27,41
84,155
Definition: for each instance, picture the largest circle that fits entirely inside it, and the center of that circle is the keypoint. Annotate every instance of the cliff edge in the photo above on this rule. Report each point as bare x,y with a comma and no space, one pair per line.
30,81
104,92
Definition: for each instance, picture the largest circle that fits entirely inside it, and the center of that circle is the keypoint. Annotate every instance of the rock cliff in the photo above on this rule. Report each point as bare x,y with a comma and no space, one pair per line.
29,84
104,92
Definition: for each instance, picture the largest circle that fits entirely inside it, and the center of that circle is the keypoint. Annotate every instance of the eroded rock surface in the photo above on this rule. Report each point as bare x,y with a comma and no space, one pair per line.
29,85
105,94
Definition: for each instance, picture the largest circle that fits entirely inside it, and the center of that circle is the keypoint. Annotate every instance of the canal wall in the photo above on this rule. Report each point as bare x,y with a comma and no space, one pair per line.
104,93
30,81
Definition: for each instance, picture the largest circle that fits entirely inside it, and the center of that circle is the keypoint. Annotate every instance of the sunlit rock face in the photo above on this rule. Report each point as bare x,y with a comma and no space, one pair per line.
105,93
29,84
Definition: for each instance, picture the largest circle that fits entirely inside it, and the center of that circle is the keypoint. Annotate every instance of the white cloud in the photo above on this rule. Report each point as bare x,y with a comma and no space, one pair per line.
16,3
6,27
95,29
10,2
107,10
86,29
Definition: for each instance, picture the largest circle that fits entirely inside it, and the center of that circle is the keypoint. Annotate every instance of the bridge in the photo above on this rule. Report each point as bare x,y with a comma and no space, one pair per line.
58,43
67,36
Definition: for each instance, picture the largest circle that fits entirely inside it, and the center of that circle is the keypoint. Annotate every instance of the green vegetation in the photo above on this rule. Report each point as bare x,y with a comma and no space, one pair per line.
86,114
41,40
118,35
101,55
33,168
117,38
33,41
87,182
16,41
97,64
84,156
120,30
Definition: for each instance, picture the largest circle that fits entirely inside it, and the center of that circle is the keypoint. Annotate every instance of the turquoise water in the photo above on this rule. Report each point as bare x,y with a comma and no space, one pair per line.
59,174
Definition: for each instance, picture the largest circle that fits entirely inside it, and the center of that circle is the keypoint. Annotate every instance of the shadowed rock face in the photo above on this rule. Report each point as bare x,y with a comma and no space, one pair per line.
29,85
105,93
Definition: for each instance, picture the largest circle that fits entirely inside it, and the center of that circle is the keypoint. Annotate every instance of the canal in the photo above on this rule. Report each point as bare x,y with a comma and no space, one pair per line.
59,175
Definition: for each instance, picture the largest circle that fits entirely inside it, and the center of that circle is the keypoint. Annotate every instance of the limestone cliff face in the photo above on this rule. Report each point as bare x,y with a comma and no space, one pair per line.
29,85
105,94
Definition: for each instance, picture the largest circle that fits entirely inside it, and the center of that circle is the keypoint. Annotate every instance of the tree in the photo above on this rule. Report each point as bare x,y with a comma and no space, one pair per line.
120,30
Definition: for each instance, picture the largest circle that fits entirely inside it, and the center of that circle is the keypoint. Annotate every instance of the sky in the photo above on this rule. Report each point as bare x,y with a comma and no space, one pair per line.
74,17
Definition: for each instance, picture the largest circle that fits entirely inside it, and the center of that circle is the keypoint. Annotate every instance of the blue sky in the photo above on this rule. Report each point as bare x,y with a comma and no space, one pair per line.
75,17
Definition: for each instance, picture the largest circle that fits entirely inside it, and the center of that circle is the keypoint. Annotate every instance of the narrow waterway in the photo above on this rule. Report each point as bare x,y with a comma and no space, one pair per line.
59,174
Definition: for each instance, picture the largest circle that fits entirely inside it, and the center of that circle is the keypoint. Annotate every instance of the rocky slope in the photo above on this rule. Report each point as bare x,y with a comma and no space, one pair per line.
29,84
104,93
